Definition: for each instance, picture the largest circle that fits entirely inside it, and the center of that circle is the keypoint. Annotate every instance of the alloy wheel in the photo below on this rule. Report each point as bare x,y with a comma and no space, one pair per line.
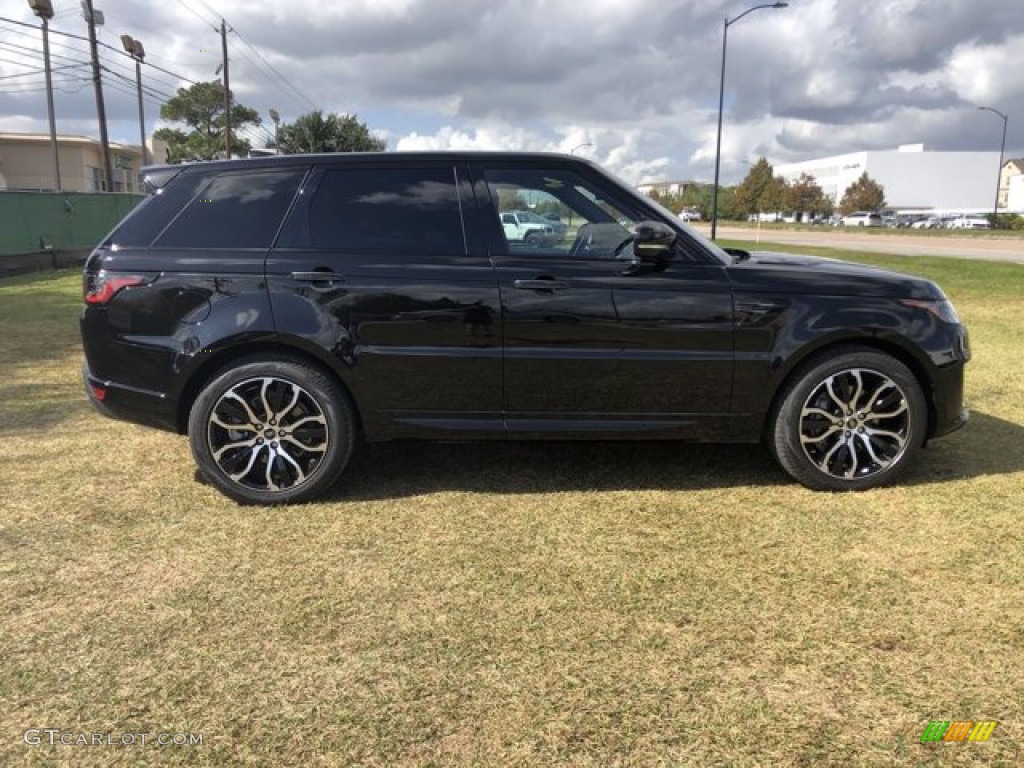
855,424
268,434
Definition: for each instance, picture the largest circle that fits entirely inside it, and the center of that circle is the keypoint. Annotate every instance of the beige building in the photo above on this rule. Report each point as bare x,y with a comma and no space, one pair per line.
1010,169
26,163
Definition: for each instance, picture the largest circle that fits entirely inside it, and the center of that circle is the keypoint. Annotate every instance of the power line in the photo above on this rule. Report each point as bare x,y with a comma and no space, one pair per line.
103,45
195,13
270,66
15,91
16,63
266,76
43,70
132,82
33,51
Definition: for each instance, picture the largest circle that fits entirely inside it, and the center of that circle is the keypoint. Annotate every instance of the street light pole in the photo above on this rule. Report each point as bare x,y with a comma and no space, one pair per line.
579,146
1002,150
138,52
721,104
44,10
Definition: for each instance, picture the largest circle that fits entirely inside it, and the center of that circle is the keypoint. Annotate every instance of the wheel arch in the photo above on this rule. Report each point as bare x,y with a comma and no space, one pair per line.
216,363
797,363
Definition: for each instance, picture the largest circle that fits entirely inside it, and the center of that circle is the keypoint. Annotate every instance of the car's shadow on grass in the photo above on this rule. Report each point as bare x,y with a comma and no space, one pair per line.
400,469
988,446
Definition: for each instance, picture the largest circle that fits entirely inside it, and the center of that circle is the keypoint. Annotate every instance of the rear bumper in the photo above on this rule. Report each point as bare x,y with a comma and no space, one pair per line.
151,409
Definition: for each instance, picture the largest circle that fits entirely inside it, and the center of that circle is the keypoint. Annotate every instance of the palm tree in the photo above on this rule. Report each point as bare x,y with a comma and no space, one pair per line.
316,132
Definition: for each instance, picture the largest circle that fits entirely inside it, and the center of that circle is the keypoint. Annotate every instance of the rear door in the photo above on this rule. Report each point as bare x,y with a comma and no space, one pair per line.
378,269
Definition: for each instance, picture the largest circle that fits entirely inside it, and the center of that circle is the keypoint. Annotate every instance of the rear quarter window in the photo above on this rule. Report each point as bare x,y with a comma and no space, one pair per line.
149,218
234,210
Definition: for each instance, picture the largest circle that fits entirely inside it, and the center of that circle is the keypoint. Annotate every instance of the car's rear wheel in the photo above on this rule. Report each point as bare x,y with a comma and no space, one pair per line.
849,420
271,431
532,238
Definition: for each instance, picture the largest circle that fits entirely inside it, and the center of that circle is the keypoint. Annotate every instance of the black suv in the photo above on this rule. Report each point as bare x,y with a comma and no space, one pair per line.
277,309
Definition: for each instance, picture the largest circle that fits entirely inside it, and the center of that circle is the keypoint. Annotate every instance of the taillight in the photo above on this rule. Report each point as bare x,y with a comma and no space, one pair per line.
100,287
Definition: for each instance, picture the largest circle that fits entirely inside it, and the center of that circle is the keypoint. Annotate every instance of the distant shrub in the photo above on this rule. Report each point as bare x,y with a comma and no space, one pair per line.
1006,221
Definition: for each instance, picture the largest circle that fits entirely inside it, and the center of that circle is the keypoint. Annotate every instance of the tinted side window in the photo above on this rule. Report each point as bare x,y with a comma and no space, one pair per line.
389,209
143,224
235,210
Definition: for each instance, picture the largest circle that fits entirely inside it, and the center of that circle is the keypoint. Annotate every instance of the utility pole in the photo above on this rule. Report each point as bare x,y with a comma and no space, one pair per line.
90,17
44,10
227,91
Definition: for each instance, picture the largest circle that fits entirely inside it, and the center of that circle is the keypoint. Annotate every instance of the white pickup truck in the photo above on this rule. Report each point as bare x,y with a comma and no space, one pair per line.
528,227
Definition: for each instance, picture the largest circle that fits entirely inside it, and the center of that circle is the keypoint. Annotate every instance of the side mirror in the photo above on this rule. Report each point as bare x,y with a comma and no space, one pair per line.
652,241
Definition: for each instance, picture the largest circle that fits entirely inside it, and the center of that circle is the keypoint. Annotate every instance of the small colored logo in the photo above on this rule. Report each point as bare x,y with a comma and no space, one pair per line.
958,730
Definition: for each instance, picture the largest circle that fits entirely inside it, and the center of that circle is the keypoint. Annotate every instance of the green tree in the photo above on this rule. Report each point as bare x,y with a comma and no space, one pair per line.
865,194
760,190
201,108
317,132
726,205
511,200
805,196
698,196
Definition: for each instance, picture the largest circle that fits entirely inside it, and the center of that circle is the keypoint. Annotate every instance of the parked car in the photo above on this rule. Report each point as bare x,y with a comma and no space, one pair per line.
862,219
690,214
279,311
529,228
970,222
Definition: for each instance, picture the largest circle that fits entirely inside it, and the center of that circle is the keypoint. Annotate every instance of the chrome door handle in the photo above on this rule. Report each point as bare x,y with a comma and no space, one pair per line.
318,280
540,284
318,277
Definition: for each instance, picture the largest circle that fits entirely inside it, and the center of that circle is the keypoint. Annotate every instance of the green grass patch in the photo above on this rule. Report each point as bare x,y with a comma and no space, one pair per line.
523,604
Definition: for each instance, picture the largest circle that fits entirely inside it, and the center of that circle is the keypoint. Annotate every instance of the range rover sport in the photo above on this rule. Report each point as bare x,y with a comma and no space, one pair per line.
276,309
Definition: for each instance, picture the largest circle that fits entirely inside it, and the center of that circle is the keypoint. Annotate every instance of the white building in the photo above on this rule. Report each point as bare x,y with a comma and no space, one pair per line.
664,188
912,177
1015,194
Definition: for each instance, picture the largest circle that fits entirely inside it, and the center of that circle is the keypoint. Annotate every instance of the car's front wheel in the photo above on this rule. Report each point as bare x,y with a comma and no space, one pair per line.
849,420
271,431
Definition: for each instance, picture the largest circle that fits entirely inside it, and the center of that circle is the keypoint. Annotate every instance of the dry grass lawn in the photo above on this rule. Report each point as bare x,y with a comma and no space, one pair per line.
508,605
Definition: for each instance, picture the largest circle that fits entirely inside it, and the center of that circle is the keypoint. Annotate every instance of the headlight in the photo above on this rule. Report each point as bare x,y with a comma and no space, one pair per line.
942,309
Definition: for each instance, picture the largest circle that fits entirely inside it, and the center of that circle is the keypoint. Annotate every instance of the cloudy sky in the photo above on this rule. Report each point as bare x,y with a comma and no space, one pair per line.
637,80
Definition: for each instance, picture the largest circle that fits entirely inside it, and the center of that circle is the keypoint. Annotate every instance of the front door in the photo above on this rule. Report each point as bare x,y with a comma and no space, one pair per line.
589,346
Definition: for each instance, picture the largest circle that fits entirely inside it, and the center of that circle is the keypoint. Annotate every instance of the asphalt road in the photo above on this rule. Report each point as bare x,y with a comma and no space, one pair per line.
990,248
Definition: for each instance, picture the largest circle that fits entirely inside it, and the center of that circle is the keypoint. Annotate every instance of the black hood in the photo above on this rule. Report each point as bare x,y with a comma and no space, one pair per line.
767,272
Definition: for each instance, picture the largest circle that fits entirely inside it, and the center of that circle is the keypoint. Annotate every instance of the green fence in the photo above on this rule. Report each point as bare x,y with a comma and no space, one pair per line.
35,221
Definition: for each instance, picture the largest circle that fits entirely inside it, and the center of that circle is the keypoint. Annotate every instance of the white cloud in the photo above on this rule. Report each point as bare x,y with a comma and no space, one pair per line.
637,79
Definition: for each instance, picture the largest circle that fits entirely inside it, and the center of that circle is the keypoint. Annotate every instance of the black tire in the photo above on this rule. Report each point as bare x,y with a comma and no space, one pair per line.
849,419
290,455
532,238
